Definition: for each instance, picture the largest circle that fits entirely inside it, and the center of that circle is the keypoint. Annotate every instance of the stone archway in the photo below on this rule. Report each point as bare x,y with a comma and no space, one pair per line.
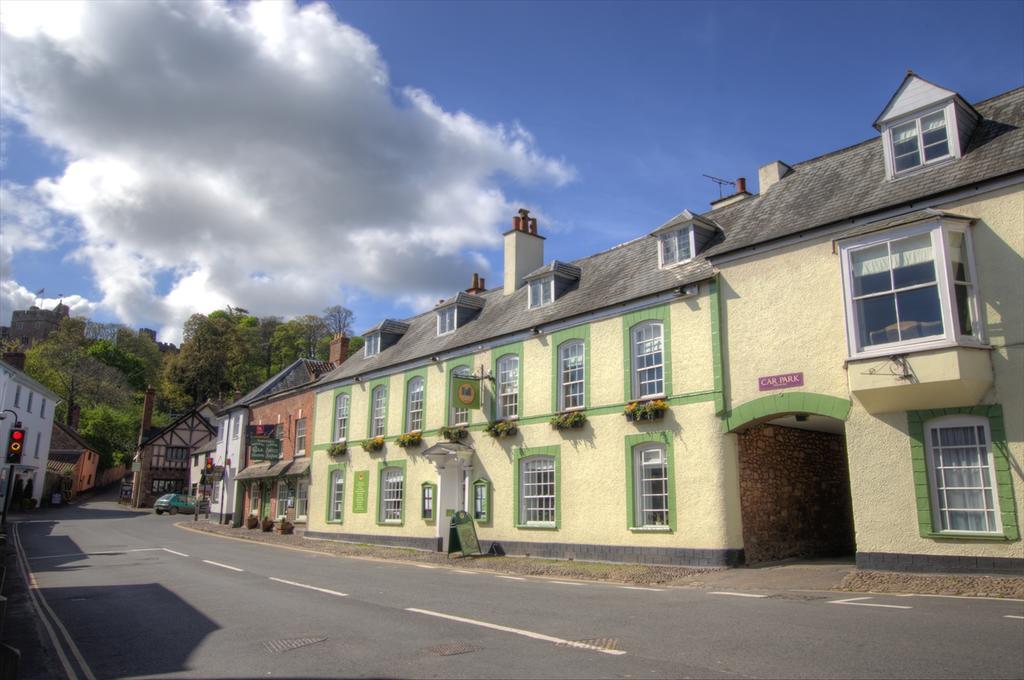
794,477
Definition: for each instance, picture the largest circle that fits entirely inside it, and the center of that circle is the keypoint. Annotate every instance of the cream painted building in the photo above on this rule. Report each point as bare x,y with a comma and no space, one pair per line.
831,366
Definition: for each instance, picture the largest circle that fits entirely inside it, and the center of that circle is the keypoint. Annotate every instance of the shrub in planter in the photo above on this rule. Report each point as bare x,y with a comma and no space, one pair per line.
267,524
252,521
454,434
502,428
285,527
646,410
338,449
573,420
28,503
375,444
410,439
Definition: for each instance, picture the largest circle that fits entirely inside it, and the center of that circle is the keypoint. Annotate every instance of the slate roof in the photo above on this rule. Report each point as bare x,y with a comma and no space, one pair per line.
300,372
620,274
899,220
65,438
566,271
462,299
819,192
66,456
852,182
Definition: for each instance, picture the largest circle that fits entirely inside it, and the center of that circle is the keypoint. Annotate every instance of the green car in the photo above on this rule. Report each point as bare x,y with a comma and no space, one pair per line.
173,503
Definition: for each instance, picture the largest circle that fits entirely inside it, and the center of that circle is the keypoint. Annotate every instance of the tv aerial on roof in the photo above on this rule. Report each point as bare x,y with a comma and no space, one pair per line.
721,183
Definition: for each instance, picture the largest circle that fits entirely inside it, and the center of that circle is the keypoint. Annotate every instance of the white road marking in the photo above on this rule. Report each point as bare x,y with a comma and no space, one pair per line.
1013,616
424,566
569,583
462,571
174,552
855,602
725,592
510,578
654,590
303,585
37,598
224,566
518,631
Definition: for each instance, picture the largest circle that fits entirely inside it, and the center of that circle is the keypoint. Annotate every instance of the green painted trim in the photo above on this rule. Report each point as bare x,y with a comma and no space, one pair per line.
487,514
374,384
916,421
450,366
347,390
555,341
632,441
433,506
409,375
330,490
786,402
497,353
555,452
717,355
381,466
630,320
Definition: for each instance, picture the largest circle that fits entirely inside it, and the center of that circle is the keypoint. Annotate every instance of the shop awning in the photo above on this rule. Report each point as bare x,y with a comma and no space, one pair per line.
298,467
282,468
258,471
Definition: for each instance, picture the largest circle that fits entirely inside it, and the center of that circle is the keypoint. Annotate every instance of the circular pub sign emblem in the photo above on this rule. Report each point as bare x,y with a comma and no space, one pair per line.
466,393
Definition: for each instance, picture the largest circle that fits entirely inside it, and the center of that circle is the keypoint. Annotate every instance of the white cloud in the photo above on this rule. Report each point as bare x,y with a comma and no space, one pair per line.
257,154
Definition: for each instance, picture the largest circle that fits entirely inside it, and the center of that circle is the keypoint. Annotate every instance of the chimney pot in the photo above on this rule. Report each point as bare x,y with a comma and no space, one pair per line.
517,223
741,185
524,251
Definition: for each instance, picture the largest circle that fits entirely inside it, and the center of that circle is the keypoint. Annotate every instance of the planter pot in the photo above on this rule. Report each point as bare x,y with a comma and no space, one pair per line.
251,522
286,527
267,525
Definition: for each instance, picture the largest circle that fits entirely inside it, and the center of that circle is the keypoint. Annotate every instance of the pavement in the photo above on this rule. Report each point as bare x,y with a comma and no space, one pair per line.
129,594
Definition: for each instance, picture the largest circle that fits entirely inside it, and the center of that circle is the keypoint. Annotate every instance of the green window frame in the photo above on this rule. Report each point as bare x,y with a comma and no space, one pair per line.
450,367
371,389
409,377
382,467
557,340
1003,482
633,441
331,470
498,353
431,515
482,500
522,454
631,321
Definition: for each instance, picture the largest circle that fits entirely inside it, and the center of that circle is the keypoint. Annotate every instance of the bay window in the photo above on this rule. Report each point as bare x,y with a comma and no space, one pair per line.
915,288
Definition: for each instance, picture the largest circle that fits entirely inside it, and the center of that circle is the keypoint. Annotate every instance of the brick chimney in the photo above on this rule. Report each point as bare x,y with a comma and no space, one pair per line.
478,286
147,412
339,349
740,194
15,360
524,250
770,174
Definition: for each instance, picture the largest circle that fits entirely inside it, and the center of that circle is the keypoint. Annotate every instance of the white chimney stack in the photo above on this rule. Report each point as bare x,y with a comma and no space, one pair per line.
524,250
770,174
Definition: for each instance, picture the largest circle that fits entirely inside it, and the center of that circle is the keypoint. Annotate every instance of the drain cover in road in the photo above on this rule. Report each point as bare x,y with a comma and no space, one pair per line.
450,649
279,646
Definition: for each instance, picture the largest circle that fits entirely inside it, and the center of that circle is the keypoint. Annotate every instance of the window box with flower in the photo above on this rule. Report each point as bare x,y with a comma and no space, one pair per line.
454,434
573,420
646,410
410,439
502,428
337,449
375,444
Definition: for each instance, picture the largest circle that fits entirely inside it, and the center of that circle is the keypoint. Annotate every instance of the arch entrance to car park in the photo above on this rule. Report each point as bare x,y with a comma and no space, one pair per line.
794,477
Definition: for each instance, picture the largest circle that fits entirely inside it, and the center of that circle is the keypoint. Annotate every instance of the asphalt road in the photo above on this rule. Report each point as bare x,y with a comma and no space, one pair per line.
131,595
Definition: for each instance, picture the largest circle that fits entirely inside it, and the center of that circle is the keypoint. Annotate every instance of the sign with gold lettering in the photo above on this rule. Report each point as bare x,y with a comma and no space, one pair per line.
360,490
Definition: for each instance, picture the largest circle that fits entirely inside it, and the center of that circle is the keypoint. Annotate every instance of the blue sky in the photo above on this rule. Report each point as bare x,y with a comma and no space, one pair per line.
623,106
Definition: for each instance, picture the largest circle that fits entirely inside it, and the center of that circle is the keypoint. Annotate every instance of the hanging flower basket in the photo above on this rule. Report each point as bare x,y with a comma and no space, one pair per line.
339,449
573,420
647,410
375,444
454,434
410,439
502,428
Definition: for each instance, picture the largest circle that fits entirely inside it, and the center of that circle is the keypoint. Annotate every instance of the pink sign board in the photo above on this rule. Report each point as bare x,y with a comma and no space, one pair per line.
780,382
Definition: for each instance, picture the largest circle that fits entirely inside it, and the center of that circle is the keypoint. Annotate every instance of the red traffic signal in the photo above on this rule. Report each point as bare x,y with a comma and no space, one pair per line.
15,445
209,464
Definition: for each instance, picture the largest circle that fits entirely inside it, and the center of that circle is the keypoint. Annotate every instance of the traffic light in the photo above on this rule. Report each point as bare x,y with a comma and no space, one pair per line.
209,464
15,445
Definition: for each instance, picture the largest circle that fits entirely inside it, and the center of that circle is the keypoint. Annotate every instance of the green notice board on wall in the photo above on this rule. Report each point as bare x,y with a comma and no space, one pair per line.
361,491
462,535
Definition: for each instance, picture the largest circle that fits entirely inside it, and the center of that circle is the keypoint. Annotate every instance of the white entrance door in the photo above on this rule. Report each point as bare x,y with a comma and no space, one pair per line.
451,497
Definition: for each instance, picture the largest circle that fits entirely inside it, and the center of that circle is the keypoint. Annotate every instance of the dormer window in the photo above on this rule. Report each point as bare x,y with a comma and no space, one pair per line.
676,246
446,320
919,141
372,347
542,292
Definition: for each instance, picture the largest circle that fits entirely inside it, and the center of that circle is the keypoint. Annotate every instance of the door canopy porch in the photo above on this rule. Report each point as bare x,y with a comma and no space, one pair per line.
443,453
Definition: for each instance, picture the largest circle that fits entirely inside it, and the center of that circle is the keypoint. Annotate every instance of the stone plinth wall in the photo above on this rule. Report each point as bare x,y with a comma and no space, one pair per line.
794,494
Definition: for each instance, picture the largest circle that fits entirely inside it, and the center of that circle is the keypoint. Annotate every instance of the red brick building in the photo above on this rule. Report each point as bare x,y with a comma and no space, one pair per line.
67,448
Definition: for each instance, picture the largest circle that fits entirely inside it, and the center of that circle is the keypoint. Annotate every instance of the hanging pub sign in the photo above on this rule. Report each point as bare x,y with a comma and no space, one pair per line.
262,430
264,448
465,392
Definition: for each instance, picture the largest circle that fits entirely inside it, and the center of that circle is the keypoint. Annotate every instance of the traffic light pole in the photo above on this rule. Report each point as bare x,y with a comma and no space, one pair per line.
10,475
